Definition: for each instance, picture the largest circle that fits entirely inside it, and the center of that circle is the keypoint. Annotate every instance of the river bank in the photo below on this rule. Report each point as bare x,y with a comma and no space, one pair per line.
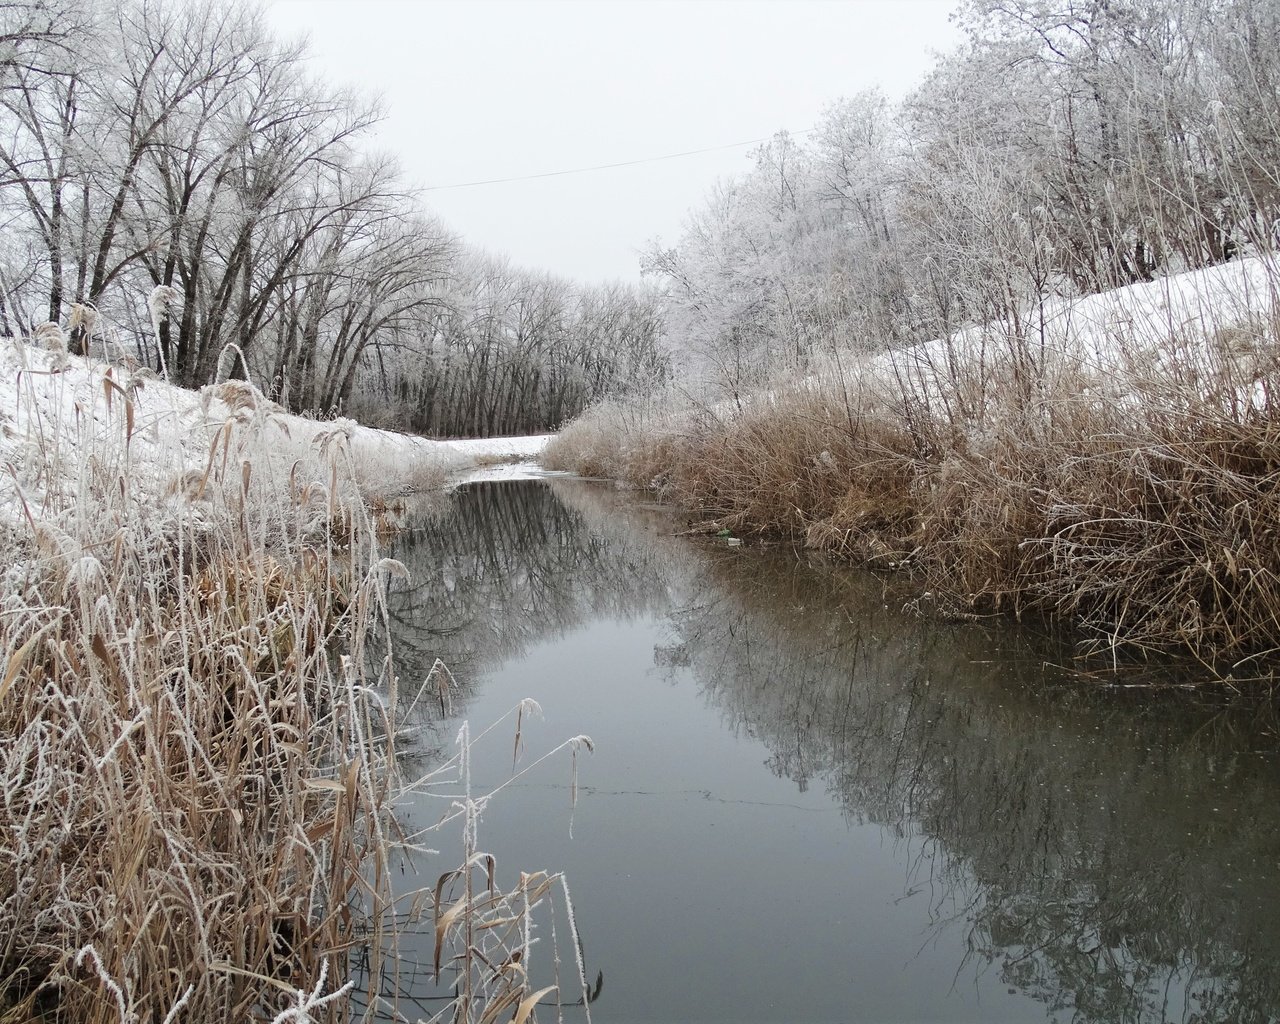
1109,462
197,751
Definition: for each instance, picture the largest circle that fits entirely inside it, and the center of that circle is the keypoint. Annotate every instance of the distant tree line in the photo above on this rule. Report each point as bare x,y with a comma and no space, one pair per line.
1067,147
175,187
509,351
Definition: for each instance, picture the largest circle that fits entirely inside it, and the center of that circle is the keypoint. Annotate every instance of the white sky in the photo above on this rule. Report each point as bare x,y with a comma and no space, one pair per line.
485,89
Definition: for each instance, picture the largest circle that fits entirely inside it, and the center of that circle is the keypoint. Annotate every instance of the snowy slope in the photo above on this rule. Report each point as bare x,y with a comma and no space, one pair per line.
62,417
1173,322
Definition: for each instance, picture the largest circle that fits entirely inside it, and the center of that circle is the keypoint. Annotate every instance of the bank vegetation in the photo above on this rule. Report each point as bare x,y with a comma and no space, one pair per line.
1016,335
202,711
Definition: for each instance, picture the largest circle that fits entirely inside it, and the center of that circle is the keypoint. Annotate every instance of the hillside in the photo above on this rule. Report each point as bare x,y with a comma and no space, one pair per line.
1109,461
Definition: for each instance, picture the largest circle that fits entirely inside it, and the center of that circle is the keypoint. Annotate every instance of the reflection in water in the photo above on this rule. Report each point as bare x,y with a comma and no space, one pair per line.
1113,858
504,566
1116,860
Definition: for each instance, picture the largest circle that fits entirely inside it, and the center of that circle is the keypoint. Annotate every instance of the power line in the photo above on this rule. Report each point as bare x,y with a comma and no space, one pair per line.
607,167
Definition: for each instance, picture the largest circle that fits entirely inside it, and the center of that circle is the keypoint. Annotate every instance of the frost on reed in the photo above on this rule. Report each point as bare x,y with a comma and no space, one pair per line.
484,935
197,738
1119,471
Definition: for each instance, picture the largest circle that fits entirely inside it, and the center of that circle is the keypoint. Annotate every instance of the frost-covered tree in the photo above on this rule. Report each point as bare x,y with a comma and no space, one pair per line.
790,258
1121,115
177,151
1067,146
738,280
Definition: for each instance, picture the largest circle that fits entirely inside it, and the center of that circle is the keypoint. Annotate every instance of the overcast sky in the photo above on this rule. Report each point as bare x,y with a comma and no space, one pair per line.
482,89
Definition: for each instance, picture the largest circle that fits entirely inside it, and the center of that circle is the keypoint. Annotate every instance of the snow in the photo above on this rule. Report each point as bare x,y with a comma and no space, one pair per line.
525,470
1164,326
63,416
461,460
524,448
499,458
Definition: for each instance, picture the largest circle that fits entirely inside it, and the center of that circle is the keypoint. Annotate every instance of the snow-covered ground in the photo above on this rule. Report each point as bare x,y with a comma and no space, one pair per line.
524,470
1186,319
479,450
498,458
62,417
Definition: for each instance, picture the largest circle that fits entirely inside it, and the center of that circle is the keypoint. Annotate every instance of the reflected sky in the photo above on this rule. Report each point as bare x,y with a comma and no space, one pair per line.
805,805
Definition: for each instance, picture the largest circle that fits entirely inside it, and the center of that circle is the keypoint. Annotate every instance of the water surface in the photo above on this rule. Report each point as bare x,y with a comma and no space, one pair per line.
806,805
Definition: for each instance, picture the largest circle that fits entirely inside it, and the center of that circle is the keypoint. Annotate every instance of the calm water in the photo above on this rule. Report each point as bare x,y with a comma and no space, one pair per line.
805,805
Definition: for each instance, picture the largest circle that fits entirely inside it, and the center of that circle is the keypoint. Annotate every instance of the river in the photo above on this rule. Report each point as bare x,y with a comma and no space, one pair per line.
807,804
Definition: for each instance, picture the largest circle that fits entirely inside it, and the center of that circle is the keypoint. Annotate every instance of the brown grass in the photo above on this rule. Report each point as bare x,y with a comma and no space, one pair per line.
194,784
197,739
1138,502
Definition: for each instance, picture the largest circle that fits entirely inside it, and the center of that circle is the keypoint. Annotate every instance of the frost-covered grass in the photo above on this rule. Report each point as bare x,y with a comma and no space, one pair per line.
199,715
1113,462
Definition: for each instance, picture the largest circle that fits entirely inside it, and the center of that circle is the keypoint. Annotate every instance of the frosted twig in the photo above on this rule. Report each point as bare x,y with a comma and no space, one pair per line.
88,952
313,1000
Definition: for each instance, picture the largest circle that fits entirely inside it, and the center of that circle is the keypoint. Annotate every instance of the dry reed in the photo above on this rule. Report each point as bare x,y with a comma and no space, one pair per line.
1135,498
197,740
193,782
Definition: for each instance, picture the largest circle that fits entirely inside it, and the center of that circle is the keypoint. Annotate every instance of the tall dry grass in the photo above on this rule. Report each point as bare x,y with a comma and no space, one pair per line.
1129,486
193,781
198,732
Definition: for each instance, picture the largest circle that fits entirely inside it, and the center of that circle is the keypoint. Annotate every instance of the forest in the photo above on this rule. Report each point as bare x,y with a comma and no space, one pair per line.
178,188
1065,149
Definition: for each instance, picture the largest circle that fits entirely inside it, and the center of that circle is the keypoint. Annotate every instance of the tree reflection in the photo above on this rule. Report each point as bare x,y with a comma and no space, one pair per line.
505,565
1115,855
